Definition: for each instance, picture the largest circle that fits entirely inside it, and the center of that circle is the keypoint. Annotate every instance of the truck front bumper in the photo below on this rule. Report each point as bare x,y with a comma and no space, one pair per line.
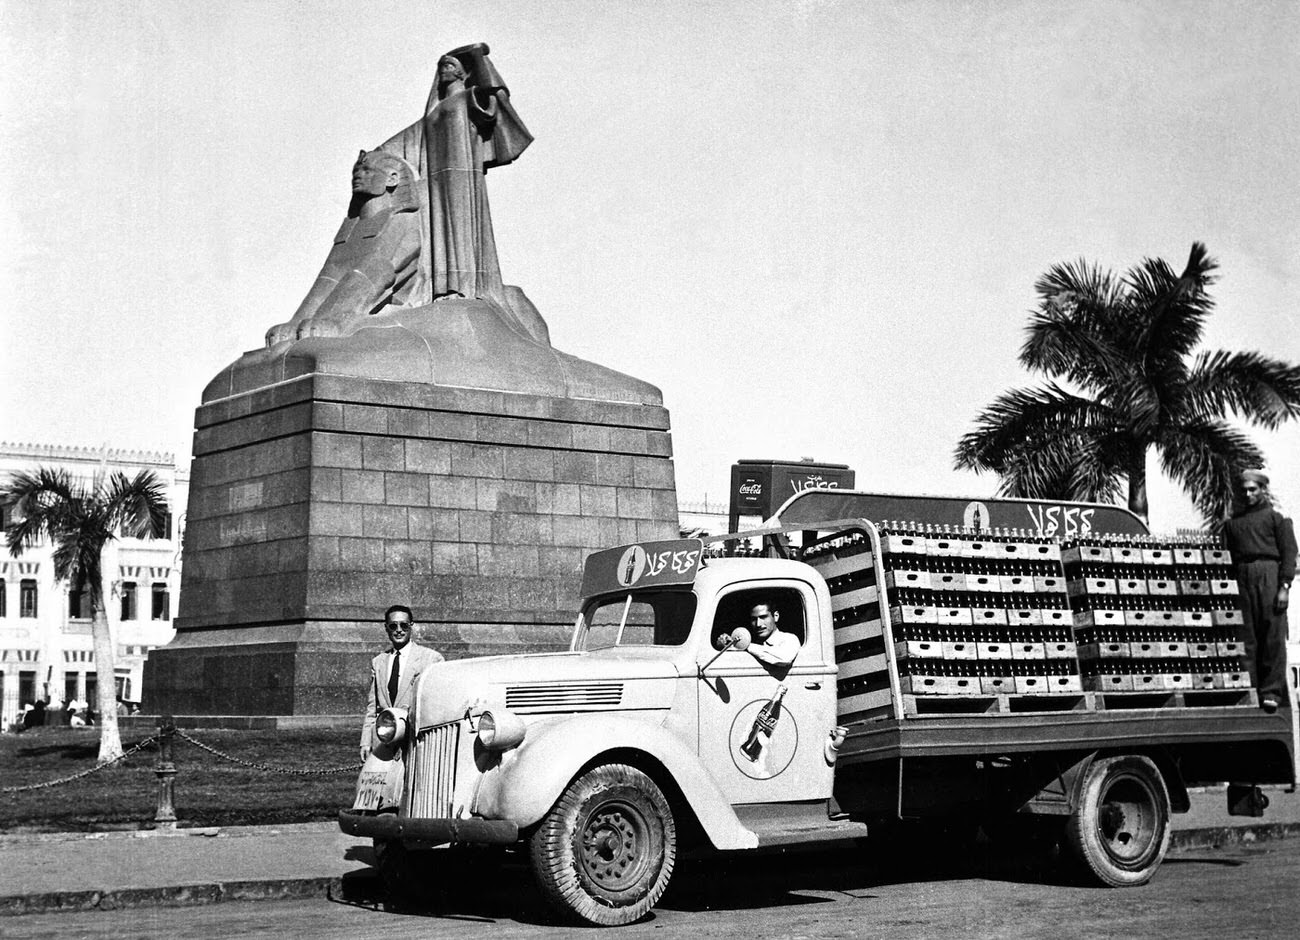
392,826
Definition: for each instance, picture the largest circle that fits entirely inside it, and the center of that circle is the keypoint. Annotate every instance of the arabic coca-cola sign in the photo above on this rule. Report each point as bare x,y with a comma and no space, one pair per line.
759,487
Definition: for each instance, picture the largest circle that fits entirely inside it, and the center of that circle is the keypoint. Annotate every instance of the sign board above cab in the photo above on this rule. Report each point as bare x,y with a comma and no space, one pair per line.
643,565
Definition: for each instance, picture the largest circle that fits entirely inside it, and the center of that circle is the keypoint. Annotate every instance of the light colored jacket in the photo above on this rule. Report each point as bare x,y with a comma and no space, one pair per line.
415,659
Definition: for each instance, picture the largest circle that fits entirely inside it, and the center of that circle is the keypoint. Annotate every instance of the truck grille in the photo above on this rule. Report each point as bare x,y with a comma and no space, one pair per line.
431,772
552,697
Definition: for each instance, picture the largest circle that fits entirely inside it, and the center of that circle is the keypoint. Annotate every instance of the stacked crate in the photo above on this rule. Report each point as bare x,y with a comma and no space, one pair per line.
977,614
847,564
1153,615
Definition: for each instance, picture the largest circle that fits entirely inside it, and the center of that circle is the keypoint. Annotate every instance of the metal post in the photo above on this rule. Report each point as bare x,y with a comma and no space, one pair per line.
165,770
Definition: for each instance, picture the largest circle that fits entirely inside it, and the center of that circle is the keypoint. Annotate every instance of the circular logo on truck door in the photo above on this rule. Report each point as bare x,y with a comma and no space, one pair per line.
631,566
763,739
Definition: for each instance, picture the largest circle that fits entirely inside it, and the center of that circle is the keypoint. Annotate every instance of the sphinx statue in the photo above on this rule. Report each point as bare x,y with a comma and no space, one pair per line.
376,253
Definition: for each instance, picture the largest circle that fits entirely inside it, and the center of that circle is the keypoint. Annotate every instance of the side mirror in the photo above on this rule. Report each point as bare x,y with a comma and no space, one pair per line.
737,639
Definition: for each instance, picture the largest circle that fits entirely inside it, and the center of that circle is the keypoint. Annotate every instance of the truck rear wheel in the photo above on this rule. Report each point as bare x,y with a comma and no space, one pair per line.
604,853
1120,830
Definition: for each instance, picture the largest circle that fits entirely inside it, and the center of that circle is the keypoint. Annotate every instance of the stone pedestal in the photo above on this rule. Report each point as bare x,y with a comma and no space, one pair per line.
319,500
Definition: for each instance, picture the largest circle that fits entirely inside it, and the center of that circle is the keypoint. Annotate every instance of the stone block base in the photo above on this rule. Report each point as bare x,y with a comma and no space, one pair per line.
316,503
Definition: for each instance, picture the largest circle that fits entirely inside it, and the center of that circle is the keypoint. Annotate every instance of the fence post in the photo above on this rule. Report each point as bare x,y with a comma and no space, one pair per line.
165,770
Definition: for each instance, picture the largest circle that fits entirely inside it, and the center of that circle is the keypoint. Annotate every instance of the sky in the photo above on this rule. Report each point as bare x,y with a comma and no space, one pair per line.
815,225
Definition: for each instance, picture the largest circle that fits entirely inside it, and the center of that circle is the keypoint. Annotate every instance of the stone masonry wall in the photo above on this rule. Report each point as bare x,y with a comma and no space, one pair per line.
326,498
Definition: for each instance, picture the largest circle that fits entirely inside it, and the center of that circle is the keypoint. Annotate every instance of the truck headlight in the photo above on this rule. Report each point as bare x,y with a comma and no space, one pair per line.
500,730
390,726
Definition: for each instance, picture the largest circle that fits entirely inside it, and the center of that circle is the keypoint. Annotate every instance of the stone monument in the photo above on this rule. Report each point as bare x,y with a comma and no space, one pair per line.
409,435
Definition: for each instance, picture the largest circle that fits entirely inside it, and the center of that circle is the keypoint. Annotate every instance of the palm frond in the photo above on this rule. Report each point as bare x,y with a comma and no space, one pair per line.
1205,458
1026,419
1073,331
138,505
1260,389
45,501
1098,467
1170,309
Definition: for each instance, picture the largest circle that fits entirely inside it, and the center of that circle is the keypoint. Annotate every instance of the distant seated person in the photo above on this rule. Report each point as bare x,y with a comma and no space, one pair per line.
771,645
76,719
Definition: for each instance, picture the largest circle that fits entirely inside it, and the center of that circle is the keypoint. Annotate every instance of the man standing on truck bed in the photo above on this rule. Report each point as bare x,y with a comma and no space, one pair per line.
1263,546
393,672
772,646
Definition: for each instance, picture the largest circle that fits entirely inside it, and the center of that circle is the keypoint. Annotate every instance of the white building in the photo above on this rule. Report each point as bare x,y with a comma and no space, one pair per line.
46,649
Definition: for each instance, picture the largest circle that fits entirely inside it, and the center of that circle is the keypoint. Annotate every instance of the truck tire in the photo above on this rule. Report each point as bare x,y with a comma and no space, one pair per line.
1119,832
605,851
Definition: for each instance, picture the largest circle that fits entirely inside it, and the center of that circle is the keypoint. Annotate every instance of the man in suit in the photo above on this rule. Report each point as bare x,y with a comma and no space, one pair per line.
393,672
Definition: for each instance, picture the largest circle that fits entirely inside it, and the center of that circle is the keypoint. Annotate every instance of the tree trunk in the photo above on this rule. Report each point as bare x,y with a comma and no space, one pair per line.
110,741
1137,483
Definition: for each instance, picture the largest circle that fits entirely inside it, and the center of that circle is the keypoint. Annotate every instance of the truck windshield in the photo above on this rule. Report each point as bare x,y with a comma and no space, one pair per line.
637,618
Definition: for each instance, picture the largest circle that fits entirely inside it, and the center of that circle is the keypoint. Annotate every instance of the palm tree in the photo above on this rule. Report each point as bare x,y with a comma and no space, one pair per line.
1126,348
80,520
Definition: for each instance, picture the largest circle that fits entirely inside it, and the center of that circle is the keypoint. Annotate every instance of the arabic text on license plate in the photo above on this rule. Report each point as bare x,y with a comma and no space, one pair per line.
370,790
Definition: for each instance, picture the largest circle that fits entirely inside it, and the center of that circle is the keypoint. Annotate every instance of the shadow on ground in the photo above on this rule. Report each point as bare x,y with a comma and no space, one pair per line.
745,881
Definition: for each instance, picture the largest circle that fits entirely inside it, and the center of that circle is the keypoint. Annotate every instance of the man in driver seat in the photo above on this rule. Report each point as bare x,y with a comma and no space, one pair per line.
771,645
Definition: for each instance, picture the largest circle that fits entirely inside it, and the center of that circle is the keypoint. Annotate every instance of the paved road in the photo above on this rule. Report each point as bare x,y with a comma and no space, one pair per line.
1243,891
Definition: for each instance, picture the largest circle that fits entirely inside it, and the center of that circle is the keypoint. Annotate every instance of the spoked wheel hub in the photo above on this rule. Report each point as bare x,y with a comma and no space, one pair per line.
614,846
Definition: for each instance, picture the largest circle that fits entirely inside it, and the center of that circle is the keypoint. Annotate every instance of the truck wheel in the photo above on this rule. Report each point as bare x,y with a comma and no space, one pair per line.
1120,829
605,851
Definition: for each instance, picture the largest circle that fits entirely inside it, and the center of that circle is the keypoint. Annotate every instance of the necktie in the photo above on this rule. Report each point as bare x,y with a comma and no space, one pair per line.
392,677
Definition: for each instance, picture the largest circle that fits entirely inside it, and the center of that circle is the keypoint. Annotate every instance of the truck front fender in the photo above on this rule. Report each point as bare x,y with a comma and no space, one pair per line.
526,782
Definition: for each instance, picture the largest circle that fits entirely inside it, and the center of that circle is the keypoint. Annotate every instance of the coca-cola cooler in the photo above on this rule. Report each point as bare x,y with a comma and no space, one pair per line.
760,487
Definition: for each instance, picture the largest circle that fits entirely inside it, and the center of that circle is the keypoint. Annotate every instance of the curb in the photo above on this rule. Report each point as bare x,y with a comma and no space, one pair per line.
367,881
1216,836
109,835
190,895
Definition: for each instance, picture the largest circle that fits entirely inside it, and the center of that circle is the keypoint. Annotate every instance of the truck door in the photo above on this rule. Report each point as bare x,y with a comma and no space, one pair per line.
762,728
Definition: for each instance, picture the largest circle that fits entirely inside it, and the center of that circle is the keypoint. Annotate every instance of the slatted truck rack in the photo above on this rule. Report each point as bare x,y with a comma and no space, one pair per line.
995,662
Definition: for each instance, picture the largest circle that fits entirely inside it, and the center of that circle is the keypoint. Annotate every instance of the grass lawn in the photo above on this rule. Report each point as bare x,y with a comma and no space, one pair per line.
209,791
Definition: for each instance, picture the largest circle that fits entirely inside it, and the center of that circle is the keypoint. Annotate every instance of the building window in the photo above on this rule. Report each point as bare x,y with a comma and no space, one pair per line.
27,598
92,691
26,687
129,608
167,526
4,610
69,688
78,599
162,602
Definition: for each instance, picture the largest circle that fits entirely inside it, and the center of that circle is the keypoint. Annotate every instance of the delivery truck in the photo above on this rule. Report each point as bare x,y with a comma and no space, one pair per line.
857,661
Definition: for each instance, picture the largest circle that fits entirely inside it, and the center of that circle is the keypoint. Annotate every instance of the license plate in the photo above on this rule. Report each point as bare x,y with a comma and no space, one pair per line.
371,786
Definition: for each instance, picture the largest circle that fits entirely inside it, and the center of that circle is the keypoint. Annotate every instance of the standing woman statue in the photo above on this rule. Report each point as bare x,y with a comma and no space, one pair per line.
468,127
1263,546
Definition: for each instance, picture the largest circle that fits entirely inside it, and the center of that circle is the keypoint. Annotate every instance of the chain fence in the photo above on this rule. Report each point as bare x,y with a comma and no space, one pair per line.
85,773
294,771
165,770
